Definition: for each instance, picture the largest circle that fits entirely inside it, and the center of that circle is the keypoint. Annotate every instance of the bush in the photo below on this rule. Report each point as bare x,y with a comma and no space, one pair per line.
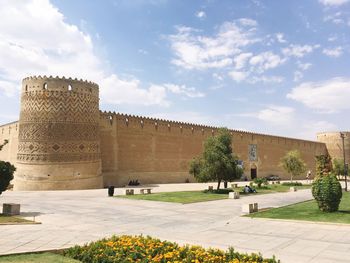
220,191
6,175
292,184
260,181
327,192
129,249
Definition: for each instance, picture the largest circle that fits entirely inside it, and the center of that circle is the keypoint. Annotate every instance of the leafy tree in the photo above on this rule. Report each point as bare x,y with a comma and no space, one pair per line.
2,145
293,164
338,167
217,162
6,172
326,189
6,175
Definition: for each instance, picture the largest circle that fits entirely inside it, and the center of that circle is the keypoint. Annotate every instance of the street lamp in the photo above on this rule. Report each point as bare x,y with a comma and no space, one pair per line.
342,136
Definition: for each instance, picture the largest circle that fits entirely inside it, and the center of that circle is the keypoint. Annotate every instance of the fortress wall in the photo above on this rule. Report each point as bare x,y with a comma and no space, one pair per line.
270,149
9,151
335,145
159,151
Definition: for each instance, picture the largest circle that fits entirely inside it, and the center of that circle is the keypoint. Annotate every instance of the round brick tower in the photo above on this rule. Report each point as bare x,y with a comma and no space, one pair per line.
58,143
334,144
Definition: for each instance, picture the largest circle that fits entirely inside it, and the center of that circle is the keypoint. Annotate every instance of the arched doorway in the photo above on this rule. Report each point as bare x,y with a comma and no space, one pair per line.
253,172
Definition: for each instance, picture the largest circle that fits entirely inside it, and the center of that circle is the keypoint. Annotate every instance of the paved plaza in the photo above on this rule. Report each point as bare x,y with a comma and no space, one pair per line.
76,217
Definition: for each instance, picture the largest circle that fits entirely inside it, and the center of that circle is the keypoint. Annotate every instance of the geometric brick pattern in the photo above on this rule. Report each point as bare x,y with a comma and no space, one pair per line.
57,123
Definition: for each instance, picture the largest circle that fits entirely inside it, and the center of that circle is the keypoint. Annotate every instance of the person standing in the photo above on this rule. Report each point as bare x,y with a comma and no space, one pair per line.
308,176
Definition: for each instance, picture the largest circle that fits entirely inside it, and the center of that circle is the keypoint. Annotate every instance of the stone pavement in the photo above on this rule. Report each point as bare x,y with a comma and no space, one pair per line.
76,217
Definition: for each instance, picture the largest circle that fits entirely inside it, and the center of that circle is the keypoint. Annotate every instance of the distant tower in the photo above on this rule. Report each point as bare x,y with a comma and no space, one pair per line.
59,143
334,145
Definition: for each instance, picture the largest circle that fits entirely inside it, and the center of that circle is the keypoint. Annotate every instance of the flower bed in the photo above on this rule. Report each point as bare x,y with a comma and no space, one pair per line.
146,249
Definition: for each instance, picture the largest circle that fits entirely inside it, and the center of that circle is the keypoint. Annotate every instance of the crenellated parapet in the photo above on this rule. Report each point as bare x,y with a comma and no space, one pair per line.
58,84
136,121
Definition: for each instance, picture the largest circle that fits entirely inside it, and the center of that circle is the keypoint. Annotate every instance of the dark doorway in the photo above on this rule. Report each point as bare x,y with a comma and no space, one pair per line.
253,173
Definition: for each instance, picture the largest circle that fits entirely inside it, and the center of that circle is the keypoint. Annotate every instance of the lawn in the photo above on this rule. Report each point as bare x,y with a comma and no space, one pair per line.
274,188
309,211
4,219
186,197
37,258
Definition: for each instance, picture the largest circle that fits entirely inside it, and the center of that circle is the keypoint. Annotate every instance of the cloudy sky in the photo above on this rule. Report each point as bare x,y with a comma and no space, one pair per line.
276,67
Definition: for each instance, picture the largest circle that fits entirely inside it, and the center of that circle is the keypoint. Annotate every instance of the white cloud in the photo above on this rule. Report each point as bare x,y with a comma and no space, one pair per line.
333,2
332,38
238,76
266,60
333,52
123,91
218,76
142,51
195,51
35,39
335,18
247,22
303,66
182,89
298,76
310,128
298,50
201,14
265,79
280,38
277,115
241,60
329,96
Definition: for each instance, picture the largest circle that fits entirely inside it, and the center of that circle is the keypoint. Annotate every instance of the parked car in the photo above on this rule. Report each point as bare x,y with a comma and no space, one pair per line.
272,177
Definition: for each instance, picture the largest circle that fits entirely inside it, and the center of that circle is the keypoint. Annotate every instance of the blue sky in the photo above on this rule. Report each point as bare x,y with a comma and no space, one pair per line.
275,67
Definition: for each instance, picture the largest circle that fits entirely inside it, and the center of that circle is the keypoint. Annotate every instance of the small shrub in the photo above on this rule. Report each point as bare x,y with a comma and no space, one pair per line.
219,191
260,181
292,184
327,192
6,175
130,249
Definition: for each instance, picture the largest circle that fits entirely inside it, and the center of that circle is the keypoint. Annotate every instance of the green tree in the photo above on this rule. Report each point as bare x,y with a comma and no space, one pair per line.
338,167
293,164
6,172
217,162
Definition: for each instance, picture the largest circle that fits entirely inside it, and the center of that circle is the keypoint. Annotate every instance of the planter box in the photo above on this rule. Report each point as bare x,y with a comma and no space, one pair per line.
233,195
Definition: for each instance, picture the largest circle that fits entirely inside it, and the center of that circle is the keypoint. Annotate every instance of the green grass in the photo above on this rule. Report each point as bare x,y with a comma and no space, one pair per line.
184,197
4,219
274,188
187,197
37,258
309,211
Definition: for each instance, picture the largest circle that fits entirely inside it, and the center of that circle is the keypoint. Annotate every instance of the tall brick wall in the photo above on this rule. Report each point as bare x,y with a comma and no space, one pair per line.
159,151
9,151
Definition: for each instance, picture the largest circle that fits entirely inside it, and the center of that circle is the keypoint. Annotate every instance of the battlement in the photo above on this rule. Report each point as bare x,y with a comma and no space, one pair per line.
62,84
111,117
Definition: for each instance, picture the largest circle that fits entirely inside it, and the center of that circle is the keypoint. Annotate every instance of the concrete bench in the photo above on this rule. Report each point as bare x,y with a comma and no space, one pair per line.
234,185
250,208
292,189
11,209
145,191
233,195
128,191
